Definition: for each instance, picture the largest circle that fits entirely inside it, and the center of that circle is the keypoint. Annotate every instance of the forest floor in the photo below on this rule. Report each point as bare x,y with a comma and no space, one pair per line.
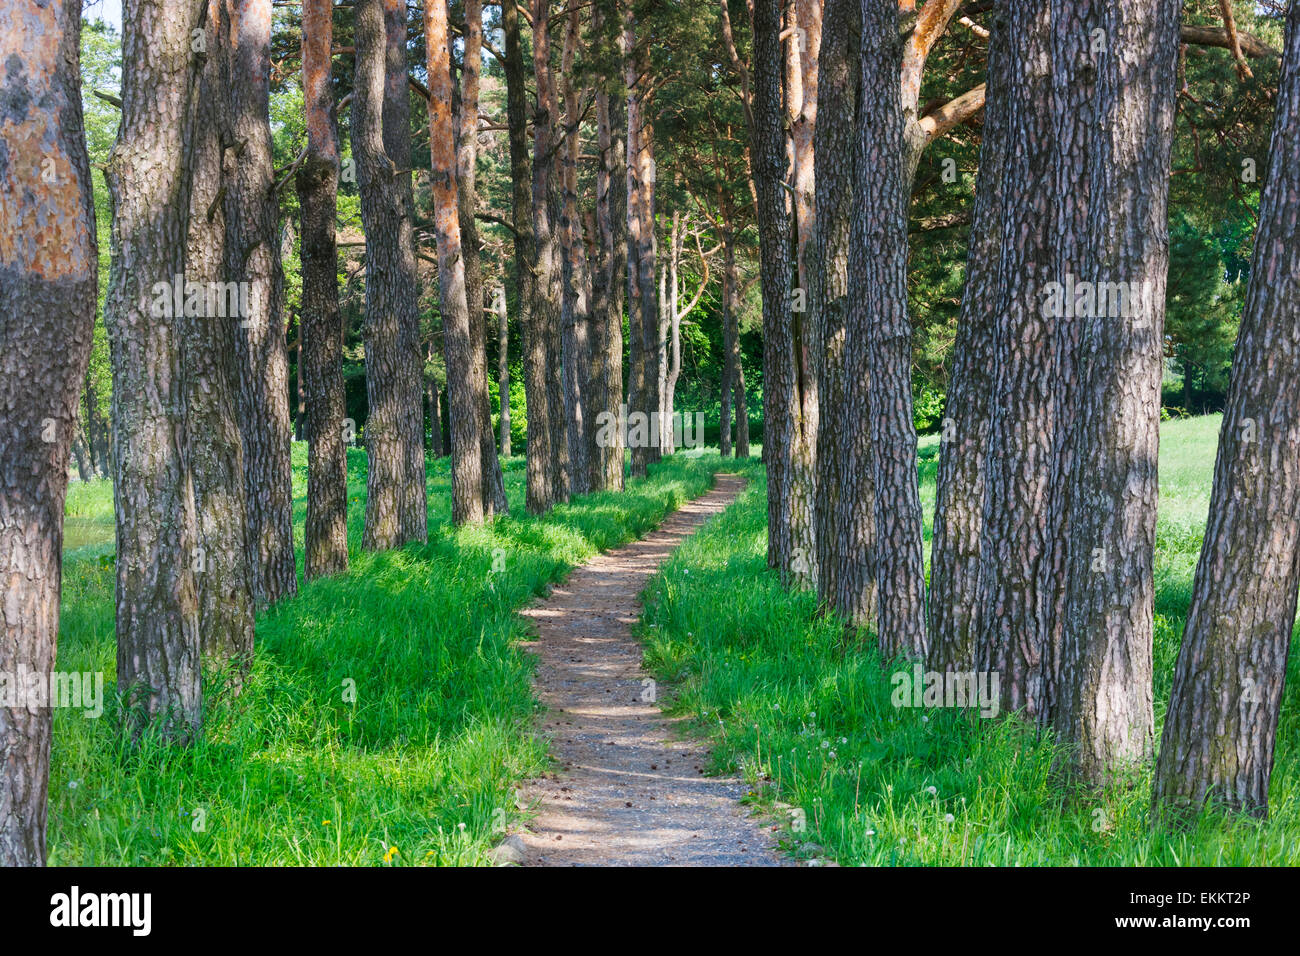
627,790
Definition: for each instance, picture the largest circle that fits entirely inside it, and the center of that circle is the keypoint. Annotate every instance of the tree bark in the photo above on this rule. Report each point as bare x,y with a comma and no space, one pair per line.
1104,702
48,286
540,492
609,281
576,300
465,377
844,513
223,567
253,257
414,506
789,393
494,490
390,332
1013,627
963,465
878,340
1220,729
321,352
503,366
643,309
158,654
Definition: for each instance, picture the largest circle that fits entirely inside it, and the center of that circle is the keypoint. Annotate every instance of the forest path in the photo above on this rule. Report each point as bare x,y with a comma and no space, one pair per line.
629,791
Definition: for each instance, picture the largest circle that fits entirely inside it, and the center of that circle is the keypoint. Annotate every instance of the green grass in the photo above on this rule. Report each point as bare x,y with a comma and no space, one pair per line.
295,771
805,714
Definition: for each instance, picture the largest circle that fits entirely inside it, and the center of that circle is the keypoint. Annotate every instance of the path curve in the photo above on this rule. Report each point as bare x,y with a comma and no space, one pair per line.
628,790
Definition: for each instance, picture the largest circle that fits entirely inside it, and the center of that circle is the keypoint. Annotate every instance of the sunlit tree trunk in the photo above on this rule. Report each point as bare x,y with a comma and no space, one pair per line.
253,257
48,287
494,492
1104,695
390,332
224,571
158,654
1221,726
464,376
1012,628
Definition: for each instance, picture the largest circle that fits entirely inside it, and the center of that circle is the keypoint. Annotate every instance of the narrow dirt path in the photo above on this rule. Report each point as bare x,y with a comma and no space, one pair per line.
630,792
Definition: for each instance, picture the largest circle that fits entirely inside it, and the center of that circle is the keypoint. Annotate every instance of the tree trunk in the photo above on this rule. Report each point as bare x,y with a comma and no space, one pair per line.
962,471
223,566
730,351
414,506
320,367
1221,725
643,311
158,654
1104,700
465,377
503,366
48,286
845,516
253,257
1013,626
435,414
391,327
878,341
576,281
540,493
609,286
494,490
789,392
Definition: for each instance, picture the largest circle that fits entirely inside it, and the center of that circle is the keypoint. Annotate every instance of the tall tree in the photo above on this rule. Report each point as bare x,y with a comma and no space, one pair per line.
414,507
1220,729
391,330
789,392
540,491
643,309
158,656
321,352
844,513
1104,699
494,491
1012,627
878,337
48,284
576,297
465,377
609,283
223,566
959,498
252,211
